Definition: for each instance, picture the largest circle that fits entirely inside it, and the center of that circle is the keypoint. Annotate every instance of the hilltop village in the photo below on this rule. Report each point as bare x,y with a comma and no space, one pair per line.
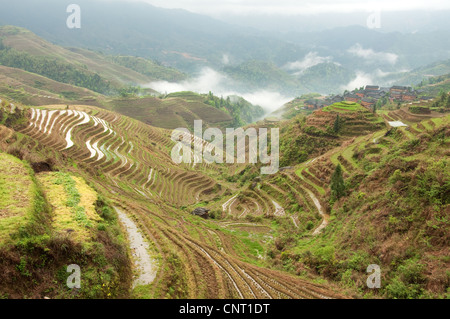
370,96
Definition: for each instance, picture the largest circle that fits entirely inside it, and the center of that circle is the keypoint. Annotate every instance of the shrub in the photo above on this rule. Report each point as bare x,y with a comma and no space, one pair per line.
397,289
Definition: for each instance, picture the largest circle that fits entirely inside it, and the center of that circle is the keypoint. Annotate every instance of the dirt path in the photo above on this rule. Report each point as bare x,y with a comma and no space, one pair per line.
143,263
325,216
321,212
225,207
279,211
295,223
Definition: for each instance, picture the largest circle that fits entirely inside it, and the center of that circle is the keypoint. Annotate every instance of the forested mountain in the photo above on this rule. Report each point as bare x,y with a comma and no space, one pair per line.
190,42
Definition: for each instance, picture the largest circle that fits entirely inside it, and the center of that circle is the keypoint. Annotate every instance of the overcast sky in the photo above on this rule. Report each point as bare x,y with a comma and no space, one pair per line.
295,7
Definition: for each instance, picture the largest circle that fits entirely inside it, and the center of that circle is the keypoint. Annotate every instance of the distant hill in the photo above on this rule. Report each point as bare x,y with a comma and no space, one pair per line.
190,42
180,38
326,78
23,49
423,73
259,74
33,89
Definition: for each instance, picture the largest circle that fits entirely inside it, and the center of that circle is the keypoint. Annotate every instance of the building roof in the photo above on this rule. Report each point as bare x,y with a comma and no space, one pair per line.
397,124
201,211
395,87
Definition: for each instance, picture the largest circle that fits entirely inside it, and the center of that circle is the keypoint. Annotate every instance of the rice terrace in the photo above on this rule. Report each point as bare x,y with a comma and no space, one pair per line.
183,168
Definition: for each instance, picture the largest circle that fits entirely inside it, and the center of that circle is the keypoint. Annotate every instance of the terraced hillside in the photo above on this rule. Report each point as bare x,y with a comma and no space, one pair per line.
354,119
338,239
268,236
129,163
394,213
129,154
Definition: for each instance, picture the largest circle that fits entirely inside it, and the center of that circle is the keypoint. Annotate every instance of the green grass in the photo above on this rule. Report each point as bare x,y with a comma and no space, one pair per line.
318,188
343,107
73,203
17,194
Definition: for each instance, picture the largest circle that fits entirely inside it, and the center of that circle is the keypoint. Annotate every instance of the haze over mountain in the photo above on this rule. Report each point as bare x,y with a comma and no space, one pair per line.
105,170
336,52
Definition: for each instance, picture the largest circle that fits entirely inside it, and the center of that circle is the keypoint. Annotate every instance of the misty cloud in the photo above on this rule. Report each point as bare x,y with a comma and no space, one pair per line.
221,85
362,79
372,56
268,100
377,77
295,7
207,80
310,60
226,59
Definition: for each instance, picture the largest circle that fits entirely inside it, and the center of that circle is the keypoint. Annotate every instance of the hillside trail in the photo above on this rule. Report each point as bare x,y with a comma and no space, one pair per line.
144,264
325,216
316,201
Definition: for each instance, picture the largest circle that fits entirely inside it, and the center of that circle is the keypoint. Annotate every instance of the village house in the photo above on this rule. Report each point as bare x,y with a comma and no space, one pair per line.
368,96
310,104
372,88
315,104
409,96
353,98
398,91
368,102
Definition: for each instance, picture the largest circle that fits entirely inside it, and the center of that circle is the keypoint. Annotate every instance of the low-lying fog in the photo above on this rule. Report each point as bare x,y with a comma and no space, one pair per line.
221,85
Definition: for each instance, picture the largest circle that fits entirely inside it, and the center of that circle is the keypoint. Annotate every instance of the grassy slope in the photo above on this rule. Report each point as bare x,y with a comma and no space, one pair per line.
73,203
165,220
17,195
168,113
32,89
38,243
395,215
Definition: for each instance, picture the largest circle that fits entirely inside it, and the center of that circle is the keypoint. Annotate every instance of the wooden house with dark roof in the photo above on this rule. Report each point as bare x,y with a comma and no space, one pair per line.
352,98
368,102
409,96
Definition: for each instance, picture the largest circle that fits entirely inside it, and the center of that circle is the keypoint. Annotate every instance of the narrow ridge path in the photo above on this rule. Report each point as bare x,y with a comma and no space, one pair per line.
143,263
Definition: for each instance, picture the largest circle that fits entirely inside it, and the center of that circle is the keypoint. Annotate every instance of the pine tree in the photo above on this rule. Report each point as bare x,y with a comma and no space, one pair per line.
443,97
337,184
336,124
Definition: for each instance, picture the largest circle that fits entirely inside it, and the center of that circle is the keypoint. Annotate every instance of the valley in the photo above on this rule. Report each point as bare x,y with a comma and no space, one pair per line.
97,201
254,221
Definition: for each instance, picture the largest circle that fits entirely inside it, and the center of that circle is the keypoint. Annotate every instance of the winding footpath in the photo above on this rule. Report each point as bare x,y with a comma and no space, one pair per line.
143,263
325,216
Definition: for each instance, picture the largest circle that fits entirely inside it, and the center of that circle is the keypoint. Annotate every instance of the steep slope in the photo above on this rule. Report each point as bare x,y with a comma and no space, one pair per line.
49,221
21,48
128,162
32,89
394,212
